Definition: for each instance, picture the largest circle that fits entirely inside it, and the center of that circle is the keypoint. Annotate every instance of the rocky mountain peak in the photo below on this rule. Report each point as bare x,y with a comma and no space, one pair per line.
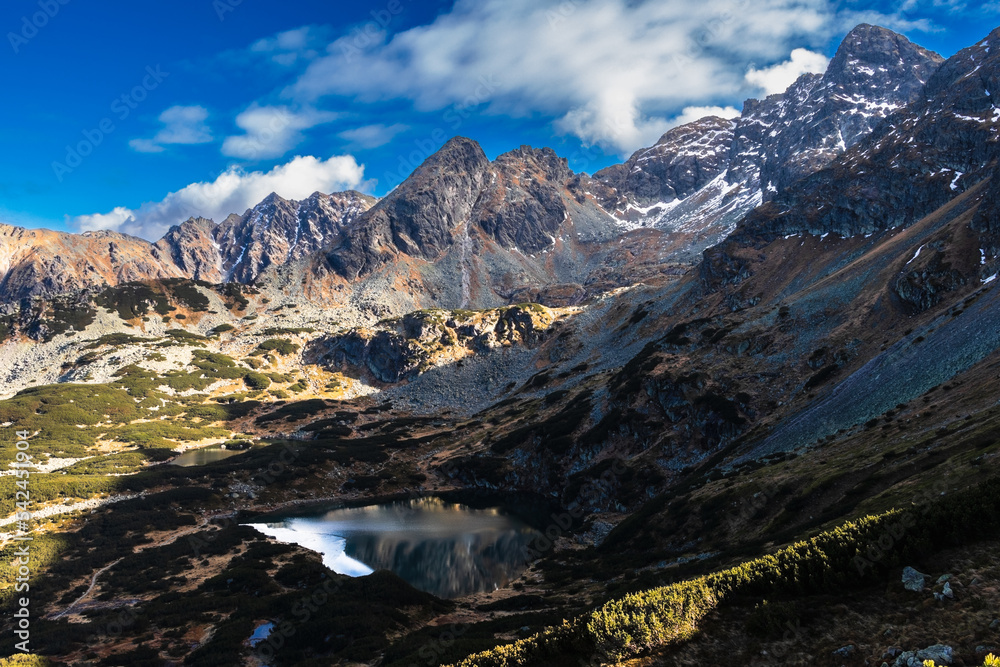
279,230
789,136
460,152
419,218
874,45
191,247
929,153
682,161
271,200
880,66
197,222
545,160
700,179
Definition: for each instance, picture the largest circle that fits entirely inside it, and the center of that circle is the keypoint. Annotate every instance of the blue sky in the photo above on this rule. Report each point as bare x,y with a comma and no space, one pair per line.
133,116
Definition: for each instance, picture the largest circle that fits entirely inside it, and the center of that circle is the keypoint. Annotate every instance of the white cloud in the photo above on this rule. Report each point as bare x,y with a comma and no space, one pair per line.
271,131
234,191
181,125
609,71
113,220
777,78
373,136
292,46
691,114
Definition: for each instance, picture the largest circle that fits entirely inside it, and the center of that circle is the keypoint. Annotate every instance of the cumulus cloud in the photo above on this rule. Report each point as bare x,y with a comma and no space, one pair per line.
234,191
609,71
112,220
373,136
181,125
271,131
777,78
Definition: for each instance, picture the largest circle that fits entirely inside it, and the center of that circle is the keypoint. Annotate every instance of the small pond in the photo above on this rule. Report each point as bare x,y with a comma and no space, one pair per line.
203,455
438,547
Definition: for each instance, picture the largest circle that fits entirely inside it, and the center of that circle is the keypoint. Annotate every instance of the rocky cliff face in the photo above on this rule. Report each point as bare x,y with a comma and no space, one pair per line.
466,232
924,156
724,169
191,246
401,348
683,161
36,262
420,218
279,230
786,137
459,200
39,261
522,205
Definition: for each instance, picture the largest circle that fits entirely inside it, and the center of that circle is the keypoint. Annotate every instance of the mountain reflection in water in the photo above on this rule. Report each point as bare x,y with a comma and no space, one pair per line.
442,548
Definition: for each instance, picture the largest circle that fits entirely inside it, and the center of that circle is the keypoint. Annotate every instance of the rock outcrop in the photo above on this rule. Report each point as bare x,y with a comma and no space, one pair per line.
399,349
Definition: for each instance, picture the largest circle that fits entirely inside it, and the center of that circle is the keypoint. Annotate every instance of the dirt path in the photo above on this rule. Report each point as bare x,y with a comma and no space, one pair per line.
93,583
168,539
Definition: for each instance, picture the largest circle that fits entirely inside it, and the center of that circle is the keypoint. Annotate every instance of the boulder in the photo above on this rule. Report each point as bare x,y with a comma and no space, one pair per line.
913,580
939,653
844,651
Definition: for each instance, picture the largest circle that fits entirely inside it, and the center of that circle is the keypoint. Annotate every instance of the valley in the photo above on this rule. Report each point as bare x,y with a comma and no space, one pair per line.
726,391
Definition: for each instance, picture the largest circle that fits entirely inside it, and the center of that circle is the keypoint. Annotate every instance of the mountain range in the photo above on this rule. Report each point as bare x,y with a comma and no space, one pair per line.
467,231
739,381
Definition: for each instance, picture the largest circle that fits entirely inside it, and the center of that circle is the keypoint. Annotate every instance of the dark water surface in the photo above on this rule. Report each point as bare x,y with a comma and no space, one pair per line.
203,455
438,547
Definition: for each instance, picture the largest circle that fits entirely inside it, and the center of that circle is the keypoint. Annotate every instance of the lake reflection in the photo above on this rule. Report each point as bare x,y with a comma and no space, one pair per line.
203,455
442,548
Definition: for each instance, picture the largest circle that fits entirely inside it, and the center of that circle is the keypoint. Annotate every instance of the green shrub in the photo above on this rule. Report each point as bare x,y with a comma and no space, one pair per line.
186,293
183,335
642,621
117,339
164,434
286,331
257,381
832,561
132,300
119,464
233,294
137,381
212,361
277,345
45,488
61,417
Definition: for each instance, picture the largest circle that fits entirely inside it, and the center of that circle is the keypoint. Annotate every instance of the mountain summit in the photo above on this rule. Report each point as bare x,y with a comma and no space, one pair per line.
463,230
776,141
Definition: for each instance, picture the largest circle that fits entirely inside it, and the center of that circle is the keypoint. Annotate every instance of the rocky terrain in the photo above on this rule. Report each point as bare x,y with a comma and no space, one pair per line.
701,179
44,263
464,231
764,433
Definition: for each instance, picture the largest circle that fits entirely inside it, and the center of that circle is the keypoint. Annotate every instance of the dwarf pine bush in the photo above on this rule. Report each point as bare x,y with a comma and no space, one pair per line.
844,557
642,621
